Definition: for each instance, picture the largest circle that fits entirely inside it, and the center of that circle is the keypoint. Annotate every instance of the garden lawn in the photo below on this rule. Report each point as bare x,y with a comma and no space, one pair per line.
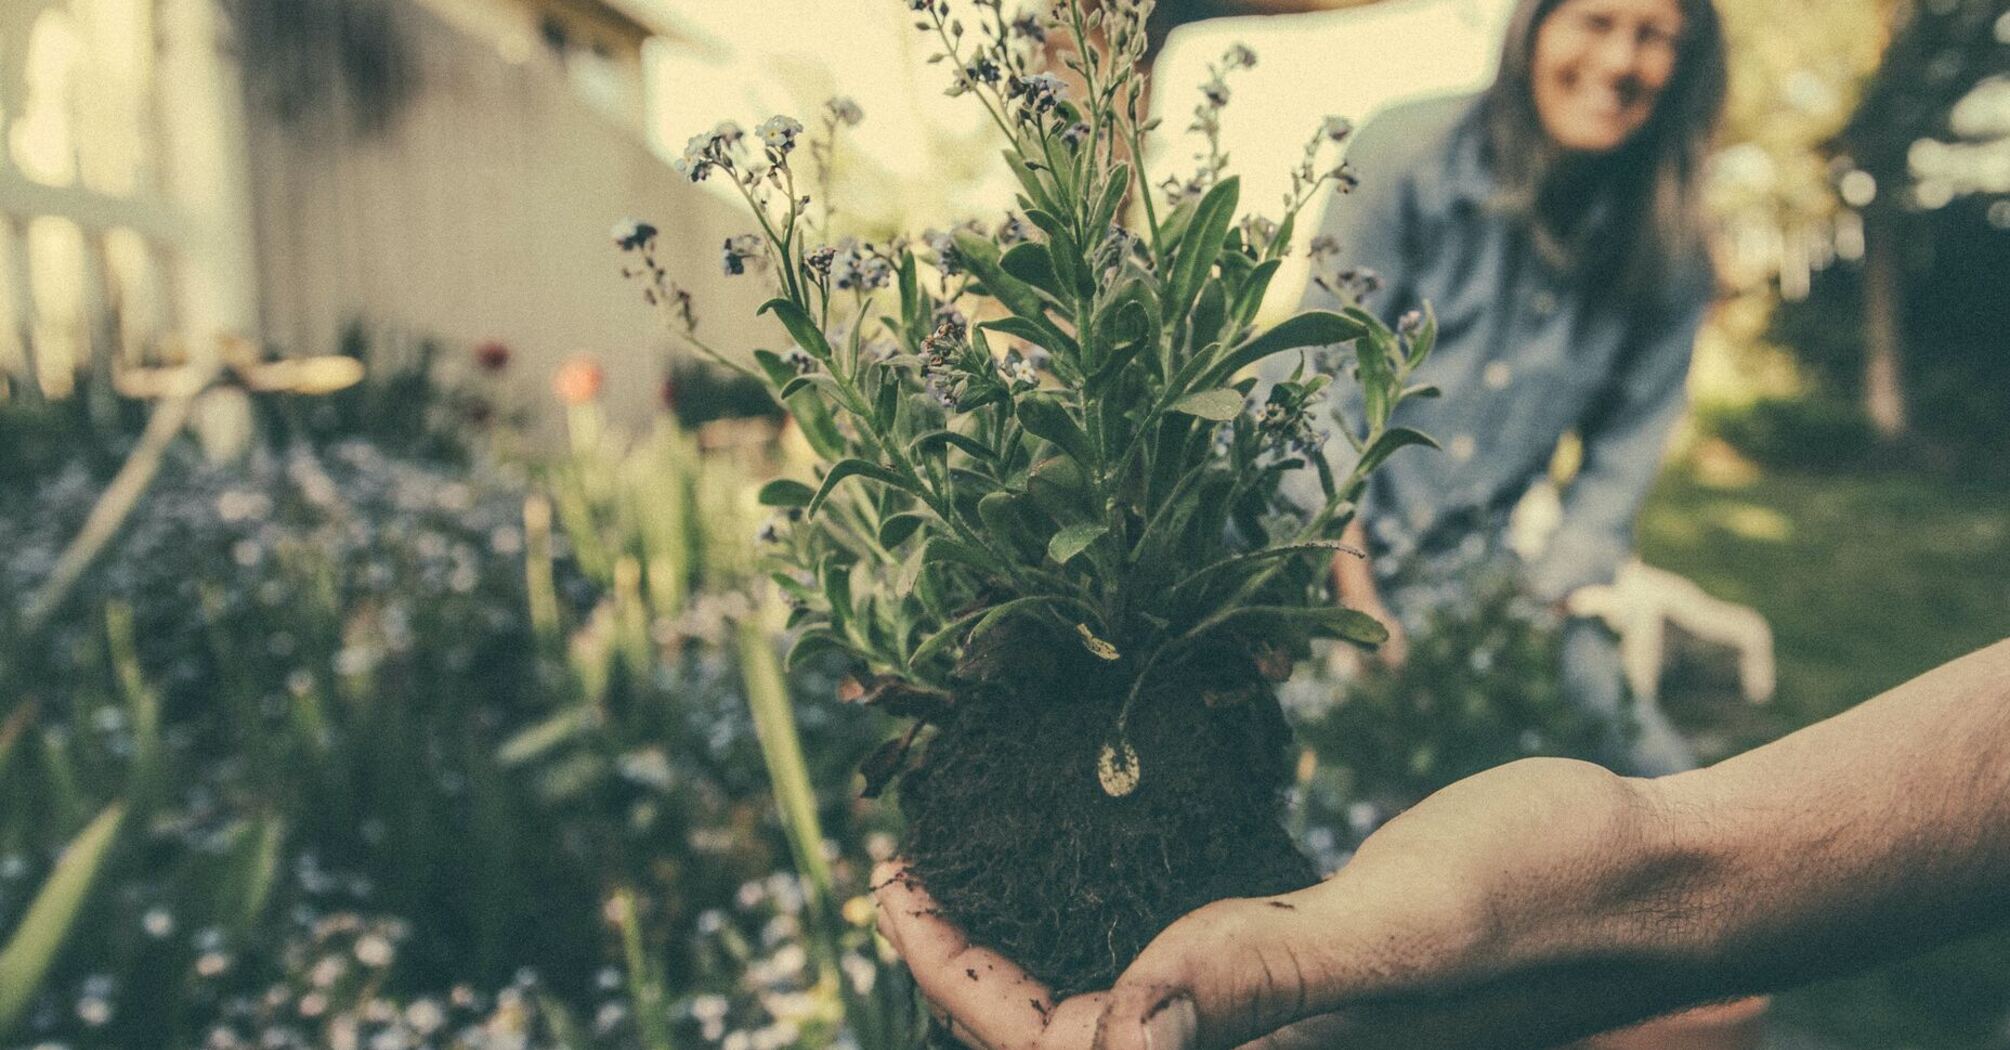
1868,579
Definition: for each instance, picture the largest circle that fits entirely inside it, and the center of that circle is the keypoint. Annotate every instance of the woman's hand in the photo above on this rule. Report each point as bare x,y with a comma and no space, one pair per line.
1354,586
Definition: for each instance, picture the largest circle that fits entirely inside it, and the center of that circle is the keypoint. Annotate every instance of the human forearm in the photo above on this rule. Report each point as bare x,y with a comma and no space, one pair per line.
1548,900
1874,833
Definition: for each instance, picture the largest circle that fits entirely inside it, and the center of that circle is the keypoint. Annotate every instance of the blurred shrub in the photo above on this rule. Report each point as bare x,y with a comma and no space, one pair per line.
372,779
1813,433
1480,688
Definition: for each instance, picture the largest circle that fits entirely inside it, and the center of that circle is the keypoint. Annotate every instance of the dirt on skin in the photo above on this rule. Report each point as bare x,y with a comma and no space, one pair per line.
1011,832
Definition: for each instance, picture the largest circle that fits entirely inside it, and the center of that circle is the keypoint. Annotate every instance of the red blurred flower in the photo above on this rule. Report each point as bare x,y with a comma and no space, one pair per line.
492,356
578,380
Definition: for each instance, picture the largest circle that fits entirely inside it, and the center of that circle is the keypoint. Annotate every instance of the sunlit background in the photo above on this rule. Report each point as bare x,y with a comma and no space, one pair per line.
381,657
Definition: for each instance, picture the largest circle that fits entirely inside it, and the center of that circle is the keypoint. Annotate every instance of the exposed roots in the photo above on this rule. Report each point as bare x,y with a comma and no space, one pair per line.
1010,831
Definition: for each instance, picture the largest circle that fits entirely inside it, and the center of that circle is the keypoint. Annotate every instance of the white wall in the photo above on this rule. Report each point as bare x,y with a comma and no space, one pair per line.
483,213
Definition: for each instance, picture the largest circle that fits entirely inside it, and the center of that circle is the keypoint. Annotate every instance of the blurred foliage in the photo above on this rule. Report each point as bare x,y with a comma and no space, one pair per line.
1479,688
1877,577
1955,317
375,787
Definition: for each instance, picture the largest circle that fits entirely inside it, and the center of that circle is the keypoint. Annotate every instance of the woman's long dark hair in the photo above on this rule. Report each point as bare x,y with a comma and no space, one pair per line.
1654,182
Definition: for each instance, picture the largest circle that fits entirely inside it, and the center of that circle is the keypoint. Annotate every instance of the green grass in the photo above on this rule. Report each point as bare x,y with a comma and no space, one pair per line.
1868,580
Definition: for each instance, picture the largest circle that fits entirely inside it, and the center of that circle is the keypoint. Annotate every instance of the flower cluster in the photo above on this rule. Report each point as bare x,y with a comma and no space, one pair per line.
1284,423
1037,95
1349,284
1003,51
1310,174
857,266
659,290
708,150
779,134
843,111
741,250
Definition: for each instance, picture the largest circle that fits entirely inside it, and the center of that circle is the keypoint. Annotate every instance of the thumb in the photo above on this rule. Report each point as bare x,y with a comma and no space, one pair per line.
1221,976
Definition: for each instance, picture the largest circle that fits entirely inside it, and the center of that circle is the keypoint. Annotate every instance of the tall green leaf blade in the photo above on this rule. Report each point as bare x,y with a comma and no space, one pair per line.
1201,244
45,927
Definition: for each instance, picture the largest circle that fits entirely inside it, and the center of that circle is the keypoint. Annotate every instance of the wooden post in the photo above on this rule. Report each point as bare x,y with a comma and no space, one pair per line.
1884,340
20,301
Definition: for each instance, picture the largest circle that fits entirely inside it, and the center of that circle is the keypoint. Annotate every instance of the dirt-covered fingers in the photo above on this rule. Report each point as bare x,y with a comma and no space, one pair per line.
982,998
1072,1024
1229,973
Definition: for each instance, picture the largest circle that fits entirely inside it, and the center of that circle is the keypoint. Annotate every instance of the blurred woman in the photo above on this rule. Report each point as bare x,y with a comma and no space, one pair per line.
1553,222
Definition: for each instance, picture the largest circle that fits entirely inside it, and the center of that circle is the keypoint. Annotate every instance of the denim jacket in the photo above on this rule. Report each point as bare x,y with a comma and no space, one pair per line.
1525,354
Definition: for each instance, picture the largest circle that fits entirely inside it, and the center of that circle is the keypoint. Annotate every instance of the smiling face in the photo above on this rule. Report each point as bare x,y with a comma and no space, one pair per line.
1599,66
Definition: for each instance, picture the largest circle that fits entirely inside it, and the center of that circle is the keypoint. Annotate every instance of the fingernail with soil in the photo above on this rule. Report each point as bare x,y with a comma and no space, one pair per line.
1173,1026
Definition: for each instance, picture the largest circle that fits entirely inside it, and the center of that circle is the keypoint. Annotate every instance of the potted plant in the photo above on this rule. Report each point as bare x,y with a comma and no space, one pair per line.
1049,524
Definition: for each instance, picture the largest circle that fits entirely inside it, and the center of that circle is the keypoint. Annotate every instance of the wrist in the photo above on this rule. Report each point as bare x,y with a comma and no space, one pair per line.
1665,906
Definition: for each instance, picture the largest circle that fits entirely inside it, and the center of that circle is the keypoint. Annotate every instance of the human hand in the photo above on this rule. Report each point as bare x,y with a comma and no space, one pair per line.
1402,948
1354,587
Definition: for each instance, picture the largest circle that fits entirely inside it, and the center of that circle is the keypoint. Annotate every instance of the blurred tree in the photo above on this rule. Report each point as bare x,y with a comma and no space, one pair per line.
1930,128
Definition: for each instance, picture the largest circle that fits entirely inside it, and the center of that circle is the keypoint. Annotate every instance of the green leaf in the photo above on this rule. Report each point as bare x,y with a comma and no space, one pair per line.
934,439
997,614
1200,244
1001,516
803,330
809,642
846,468
1386,445
1065,255
1255,557
1219,405
1044,416
1035,188
254,864
980,257
1030,262
808,409
1249,297
895,530
1060,488
942,639
1208,315
535,740
1314,328
943,548
46,926
812,380
837,590
911,306
1332,621
1378,379
1074,540
785,492
1047,337
1112,199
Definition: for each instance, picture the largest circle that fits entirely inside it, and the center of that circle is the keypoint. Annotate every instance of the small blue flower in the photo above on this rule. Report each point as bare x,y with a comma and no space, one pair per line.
780,133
